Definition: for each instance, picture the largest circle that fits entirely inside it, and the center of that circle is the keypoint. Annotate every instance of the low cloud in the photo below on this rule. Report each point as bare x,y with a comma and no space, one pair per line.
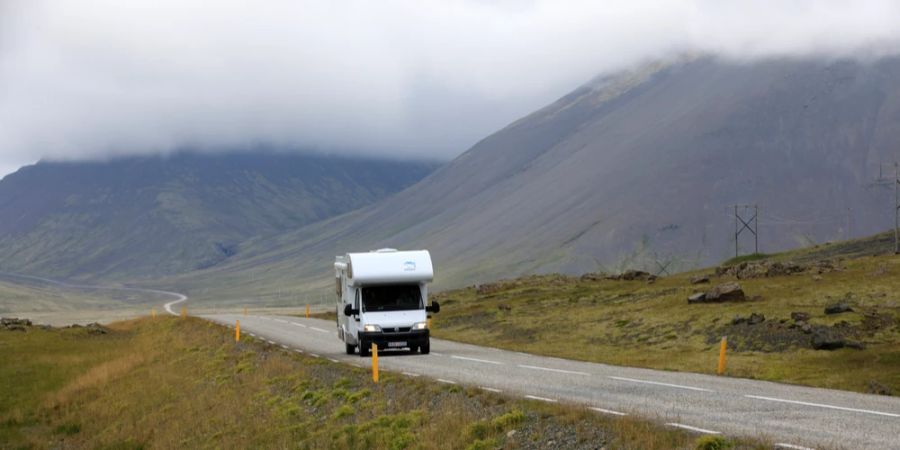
95,78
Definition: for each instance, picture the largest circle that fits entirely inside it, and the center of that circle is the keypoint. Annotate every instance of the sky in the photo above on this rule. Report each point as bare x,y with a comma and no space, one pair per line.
93,79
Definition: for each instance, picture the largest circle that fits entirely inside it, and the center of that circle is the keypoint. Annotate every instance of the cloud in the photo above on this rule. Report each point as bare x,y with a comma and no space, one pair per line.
95,78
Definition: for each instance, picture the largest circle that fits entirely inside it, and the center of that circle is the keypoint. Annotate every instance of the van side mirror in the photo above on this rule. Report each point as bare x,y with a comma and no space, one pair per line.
349,311
434,308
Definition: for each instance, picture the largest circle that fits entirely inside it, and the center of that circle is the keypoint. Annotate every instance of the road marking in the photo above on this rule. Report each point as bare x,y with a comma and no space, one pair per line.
284,346
298,324
476,360
251,334
543,399
332,360
820,405
792,446
437,354
490,389
314,355
318,329
271,342
446,381
553,370
279,320
688,427
657,383
608,411
410,374
298,350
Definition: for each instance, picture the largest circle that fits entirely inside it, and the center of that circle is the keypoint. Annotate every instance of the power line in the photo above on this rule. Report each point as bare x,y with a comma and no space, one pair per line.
753,229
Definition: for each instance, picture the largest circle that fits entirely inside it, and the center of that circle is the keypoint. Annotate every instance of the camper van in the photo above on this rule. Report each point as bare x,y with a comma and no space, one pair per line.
382,298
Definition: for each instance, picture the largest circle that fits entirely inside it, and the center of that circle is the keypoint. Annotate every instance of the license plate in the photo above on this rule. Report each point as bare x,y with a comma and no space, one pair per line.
396,344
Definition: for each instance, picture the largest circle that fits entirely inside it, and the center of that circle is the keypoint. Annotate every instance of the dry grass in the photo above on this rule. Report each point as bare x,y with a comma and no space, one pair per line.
174,383
636,323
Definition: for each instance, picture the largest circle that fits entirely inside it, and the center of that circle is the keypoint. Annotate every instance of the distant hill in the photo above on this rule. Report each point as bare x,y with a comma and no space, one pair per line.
629,170
145,217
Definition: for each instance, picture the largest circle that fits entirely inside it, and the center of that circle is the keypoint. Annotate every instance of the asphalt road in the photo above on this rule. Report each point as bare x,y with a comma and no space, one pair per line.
790,416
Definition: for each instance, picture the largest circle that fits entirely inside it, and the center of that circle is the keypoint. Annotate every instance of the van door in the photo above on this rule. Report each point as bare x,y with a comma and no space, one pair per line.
353,322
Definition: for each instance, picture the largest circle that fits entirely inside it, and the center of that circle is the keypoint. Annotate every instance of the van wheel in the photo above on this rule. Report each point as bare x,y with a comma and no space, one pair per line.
365,348
351,349
425,348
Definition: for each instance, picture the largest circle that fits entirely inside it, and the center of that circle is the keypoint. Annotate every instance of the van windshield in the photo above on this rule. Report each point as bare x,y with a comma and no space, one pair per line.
396,297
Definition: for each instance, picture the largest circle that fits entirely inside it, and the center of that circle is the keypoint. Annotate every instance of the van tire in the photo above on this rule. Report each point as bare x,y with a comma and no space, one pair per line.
425,348
351,349
365,349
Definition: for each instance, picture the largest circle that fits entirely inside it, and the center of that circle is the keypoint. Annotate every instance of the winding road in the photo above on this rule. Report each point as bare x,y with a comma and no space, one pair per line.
792,417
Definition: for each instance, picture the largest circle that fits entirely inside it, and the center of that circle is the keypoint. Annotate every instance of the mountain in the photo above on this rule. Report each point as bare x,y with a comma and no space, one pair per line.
145,217
630,170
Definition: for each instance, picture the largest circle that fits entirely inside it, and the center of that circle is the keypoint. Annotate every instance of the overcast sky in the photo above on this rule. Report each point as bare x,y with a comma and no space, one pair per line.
93,78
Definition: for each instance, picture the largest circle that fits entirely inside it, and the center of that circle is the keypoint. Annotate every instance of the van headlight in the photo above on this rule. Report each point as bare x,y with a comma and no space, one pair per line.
420,326
371,328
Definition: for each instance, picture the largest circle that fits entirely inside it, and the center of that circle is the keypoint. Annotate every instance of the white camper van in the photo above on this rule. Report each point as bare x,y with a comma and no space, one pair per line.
382,298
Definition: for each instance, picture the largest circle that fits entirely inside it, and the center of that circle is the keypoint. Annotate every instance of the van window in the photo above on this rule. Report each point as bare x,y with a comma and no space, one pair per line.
396,297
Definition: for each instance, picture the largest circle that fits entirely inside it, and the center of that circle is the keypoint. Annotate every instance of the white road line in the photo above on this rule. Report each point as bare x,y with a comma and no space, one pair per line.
314,355
252,334
318,329
298,324
820,405
608,411
688,427
634,380
410,374
437,354
333,360
446,381
490,389
465,358
553,370
543,399
271,342
792,446
298,350
284,346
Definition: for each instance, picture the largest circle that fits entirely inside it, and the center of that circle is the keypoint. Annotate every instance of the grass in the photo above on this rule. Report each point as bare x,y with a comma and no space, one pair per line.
636,323
175,383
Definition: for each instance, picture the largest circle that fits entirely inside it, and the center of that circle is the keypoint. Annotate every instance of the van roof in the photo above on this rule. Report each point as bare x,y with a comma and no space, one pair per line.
385,267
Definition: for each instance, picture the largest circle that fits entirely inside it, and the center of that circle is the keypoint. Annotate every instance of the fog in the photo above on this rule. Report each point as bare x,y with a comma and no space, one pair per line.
413,79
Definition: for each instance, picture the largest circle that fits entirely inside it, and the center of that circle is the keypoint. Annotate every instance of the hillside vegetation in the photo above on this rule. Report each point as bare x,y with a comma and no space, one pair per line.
640,321
184,383
143,217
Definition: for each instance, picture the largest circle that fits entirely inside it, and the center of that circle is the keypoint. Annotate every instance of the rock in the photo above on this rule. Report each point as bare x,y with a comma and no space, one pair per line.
877,388
630,275
817,278
511,433
798,316
827,341
14,324
592,277
838,308
96,328
727,292
756,318
806,328
698,297
700,279
738,320
503,307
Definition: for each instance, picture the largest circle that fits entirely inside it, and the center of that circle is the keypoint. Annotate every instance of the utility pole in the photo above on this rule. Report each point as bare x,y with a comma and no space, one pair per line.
753,229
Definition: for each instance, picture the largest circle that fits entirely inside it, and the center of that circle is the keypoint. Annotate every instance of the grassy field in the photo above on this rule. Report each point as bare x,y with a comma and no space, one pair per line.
176,383
650,324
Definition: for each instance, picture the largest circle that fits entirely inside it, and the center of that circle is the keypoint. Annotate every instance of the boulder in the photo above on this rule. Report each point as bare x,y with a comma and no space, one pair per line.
727,292
700,279
838,308
698,297
630,275
756,318
798,316
827,341
877,388
14,324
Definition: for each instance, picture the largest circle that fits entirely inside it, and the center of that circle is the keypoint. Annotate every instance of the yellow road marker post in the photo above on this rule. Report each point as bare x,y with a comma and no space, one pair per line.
721,369
237,331
153,312
307,310
183,312
374,362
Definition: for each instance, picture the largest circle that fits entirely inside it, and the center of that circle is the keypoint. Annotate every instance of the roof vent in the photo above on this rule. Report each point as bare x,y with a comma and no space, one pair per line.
386,250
